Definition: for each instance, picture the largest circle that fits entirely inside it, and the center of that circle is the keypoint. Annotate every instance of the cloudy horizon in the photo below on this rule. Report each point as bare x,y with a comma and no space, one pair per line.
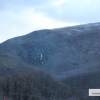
22,17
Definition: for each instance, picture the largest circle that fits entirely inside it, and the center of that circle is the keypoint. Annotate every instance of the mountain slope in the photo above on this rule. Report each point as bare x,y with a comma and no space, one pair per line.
62,49
12,66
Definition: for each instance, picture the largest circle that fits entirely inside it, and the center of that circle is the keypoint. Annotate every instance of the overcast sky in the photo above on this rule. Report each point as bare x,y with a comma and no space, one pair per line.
19,17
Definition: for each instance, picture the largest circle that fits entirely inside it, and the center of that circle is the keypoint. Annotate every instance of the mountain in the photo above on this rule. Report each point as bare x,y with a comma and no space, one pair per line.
62,49
70,54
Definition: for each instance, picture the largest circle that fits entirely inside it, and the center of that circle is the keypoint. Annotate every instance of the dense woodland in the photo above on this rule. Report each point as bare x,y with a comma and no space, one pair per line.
33,86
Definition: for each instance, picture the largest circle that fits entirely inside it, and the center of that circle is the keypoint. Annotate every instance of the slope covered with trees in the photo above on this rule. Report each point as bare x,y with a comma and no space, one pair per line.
19,81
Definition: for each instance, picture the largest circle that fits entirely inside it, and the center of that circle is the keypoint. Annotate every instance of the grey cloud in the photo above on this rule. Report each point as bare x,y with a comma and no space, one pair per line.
74,11
19,4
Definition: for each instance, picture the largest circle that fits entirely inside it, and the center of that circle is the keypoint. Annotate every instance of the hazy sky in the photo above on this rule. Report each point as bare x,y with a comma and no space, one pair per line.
19,17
